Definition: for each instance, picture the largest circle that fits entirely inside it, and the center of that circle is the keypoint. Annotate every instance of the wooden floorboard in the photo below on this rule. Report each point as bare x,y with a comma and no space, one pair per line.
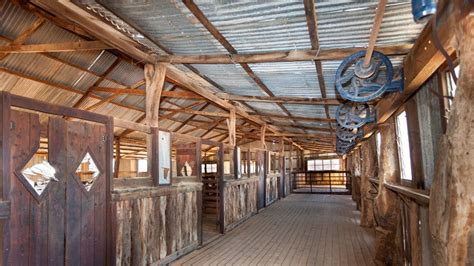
302,229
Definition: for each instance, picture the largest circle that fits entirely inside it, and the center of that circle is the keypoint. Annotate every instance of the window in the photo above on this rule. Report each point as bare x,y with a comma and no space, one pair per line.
403,146
378,143
211,167
451,85
324,165
142,166
335,164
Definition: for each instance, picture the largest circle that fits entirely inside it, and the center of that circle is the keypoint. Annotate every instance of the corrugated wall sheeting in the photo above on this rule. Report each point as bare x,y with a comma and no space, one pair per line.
431,129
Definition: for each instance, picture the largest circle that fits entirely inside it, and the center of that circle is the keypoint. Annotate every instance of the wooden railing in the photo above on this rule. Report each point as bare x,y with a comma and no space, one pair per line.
321,182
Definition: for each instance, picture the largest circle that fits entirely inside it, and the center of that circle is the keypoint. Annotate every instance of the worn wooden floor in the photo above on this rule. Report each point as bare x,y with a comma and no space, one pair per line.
299,230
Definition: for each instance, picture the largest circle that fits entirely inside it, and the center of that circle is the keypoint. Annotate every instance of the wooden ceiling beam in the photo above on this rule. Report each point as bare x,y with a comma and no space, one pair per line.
191,117
175,111
25,35
63,87
62,61
312,23
96,83
422,62
201,17
311,119
169,94
285,56
279,99
196,112
109,35
54,47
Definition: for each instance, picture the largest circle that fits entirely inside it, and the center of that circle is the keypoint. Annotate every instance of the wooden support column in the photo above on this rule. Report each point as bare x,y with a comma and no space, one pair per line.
117,158
154,80
356,173
387,203
263,129
282,180
231,127
5,109
369,161
290,161
452,192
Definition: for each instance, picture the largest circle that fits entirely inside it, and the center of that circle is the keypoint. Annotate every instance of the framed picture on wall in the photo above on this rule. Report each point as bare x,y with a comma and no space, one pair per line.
164,158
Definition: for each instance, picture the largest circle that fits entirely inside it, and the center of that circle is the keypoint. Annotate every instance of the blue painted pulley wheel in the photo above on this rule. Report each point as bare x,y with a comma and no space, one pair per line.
357,83
348,135
353,115
343,147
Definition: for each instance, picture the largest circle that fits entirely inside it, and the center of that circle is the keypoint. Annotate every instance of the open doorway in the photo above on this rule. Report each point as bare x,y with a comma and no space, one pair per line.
210,191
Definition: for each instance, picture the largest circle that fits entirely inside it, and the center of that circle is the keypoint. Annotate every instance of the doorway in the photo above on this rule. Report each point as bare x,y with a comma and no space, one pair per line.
211,191
59,189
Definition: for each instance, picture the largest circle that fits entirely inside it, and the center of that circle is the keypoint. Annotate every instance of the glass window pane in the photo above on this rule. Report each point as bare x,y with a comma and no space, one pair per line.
403,146
142,166
378,142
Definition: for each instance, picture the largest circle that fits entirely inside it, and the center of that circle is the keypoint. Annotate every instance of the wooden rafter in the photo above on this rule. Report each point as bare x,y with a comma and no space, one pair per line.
422,61
25,35
212,127
302,118
131,91
279,99
54,47
101,102
103,30
67,63
176,111
285,56
96,83
213,30
312,22
195,112
191,117
63,87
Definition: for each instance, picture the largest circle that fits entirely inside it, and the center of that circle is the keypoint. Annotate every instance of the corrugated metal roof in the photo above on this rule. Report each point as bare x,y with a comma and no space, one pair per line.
14,19
173,27
289,78
259,26
250,27
232,78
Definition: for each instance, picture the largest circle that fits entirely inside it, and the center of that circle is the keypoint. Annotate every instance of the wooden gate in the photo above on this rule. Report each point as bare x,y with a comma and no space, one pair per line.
65,219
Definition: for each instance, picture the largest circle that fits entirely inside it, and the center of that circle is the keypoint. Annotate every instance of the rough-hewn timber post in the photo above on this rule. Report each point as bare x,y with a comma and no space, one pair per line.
154,80
231,127
369,160
386,204
452,191
355,170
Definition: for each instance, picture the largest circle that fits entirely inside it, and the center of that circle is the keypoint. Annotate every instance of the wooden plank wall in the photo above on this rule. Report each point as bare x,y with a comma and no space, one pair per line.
155,225
272,188
240,201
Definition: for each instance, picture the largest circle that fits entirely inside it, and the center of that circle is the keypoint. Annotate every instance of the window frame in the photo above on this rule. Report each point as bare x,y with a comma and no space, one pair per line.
445,104
323,164
404,181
